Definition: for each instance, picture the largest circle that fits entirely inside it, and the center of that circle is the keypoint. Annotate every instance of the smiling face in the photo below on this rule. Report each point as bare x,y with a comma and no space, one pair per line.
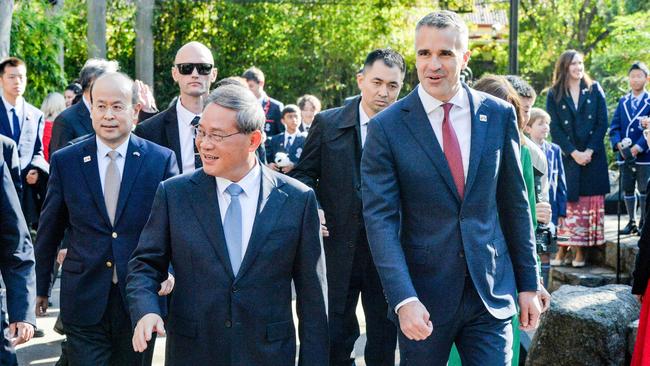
576,68
439,61
194,84
638,79
380,86
112,111
230,158
14,81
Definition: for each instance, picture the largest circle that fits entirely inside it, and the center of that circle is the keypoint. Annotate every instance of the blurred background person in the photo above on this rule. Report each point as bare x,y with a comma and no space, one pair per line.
72,94
309,107
52,105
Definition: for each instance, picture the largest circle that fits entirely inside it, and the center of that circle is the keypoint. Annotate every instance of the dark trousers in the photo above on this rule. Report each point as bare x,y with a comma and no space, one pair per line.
344,328
481,339
107,343
7,352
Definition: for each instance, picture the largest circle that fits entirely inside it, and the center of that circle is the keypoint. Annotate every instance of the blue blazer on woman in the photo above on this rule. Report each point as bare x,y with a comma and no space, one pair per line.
627,123
579,129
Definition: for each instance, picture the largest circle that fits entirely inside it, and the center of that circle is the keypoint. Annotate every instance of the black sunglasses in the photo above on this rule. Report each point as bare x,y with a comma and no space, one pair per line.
187,69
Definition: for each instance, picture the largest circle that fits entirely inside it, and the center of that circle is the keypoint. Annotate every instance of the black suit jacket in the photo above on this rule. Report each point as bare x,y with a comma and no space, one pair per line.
71,123
330,164
10,155
163,130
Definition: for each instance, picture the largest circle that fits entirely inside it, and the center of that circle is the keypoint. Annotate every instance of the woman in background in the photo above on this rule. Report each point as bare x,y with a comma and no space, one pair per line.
52,105
309,106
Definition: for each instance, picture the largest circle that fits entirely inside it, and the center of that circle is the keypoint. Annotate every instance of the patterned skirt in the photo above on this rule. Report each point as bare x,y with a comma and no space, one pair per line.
585,222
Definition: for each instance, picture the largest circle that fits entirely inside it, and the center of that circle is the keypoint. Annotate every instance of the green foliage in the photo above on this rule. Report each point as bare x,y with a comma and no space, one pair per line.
34,34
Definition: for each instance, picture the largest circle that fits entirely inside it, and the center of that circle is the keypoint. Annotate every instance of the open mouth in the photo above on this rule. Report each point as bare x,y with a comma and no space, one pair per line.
209,157
435,78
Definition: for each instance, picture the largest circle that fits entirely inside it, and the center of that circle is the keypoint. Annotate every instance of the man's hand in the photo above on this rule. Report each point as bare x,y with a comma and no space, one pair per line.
41,305
323,228
414,321
635,150
530,310
145,97
61,256
544,298
32,177
167,286
146,326
20,333
543,212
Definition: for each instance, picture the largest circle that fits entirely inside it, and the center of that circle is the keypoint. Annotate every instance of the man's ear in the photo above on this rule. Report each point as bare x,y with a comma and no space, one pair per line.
255,140
136,111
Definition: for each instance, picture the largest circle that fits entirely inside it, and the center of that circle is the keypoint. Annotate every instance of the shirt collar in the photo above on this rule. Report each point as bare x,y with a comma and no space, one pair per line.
18,106
183,114
262,97
247,184
86,103
363,116
103,149
292,135
430,103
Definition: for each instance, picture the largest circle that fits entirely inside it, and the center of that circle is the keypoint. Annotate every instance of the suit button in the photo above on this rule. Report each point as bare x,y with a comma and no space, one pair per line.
589,116
114,235
350,244
235,289
566,122
461,254
358,187
109,264
462,218
228,324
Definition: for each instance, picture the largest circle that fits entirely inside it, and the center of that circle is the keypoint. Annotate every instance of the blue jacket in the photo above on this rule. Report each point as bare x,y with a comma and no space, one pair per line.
276,144
273,113
424,238
556,180
75,201
627,123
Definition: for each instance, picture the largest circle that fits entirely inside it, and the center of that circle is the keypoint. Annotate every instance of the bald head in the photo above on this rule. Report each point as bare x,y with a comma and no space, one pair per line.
117,81
194,52
114,108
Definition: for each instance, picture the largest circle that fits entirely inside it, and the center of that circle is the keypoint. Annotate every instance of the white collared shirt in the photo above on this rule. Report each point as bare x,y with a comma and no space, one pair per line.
186,136
262,97
293,138
20,107
460,116
103,160
248,199
363,124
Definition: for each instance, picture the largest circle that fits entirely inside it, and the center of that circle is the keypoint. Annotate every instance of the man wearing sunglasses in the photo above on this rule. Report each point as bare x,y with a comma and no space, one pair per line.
194,72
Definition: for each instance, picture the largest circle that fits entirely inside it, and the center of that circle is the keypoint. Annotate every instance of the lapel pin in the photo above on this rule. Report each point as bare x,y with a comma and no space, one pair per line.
136,153
563,106
86,158
482,118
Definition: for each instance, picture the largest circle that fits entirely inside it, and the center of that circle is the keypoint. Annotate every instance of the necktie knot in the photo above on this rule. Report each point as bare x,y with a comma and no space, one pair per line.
195,121
13,110
113,155
447,107
234,190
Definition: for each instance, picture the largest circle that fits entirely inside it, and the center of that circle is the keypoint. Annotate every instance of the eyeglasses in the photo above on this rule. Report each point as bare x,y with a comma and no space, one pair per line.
211,137
186,69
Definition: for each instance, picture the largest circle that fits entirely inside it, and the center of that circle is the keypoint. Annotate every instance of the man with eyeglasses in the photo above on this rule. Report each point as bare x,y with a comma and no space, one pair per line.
237,234
194,72
101,189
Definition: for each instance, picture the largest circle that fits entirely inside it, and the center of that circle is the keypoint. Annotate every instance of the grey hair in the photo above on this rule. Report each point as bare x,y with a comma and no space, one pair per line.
250,115
444,19
93,68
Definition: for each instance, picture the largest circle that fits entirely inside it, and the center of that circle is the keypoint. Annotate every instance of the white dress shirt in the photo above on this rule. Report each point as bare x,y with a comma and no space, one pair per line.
186,136
103,160
363,124
248,199
20,107
461,121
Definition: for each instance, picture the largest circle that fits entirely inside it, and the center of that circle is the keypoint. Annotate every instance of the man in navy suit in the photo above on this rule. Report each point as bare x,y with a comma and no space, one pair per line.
272,108
446,212
75,121
291,141
17,269
101,189
10,155
237,234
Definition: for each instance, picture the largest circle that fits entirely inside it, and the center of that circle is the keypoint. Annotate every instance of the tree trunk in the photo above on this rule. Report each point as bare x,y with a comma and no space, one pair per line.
96,28
144,42
56,10
6,12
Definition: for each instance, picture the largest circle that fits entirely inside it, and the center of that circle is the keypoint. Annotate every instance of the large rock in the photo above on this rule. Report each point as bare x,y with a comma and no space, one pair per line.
585,326
632,331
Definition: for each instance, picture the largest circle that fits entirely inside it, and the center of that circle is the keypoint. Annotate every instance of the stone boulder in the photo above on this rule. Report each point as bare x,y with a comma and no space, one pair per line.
585,326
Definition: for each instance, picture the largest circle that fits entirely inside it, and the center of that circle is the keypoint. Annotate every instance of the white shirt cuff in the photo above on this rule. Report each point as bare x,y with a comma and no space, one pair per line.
639,148
404,302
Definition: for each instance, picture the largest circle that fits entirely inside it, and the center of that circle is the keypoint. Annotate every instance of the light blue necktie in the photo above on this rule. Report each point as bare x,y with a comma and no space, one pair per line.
287,146
232,227
16,126
635,105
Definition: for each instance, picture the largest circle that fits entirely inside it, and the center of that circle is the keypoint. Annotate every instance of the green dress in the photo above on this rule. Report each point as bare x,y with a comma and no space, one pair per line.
529,178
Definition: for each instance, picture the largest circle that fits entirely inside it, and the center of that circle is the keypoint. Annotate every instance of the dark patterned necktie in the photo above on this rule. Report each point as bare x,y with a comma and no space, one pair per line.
197,156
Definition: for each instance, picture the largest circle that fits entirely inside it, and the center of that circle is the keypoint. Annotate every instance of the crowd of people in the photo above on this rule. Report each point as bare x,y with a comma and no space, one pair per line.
441,211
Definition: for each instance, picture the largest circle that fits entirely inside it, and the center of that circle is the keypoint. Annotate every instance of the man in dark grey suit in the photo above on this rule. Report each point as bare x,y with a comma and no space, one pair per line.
330,164
237,234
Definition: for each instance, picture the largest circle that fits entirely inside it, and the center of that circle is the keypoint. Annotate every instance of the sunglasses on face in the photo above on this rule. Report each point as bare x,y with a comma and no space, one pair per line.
188,68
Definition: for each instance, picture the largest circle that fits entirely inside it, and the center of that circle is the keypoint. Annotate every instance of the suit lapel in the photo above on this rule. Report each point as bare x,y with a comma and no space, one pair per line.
91,174
5,128
171,132
132,163
206,207
479,129
272,201
84,117
417,122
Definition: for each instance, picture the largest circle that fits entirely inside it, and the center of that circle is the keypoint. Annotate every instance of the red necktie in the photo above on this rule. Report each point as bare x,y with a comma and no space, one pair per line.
452,151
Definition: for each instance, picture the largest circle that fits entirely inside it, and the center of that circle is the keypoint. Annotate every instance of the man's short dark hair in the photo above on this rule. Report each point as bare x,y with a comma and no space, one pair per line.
253,74
521,86
231,80
290,108
10,61
390,57
93,68
638,65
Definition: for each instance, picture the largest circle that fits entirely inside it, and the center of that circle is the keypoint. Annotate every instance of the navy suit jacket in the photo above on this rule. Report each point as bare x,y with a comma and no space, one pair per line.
276,145
214,316
163,130
424,239
70,124
75,201
273,112
10,155
627,123
16,254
